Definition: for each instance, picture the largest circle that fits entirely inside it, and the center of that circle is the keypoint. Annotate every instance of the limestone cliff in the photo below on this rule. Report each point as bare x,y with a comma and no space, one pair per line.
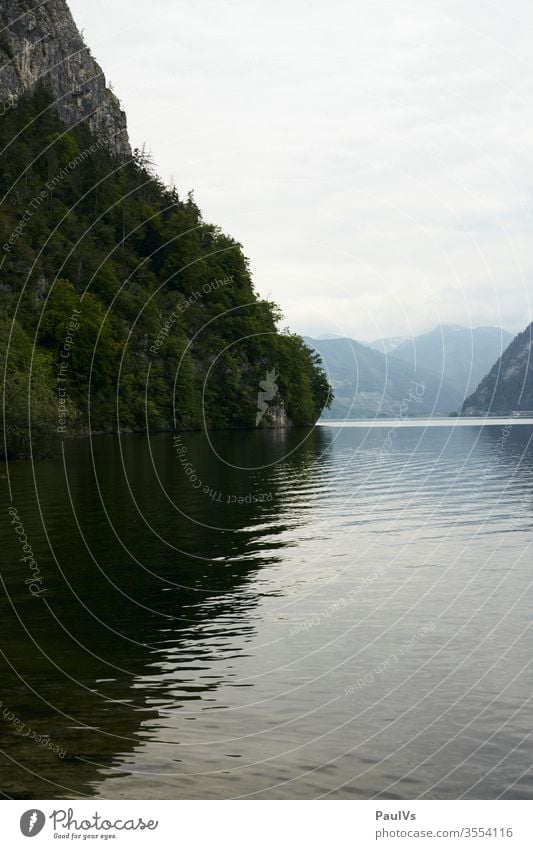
41,44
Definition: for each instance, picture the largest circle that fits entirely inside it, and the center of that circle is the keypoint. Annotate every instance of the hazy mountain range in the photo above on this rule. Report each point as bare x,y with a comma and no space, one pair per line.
463,355
386,346
378,378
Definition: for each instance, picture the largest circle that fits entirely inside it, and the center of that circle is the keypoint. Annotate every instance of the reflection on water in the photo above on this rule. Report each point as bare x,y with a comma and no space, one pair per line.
289,615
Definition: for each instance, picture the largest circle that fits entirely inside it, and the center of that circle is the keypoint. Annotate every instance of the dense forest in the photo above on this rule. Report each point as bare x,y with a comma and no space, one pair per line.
121,309
508,387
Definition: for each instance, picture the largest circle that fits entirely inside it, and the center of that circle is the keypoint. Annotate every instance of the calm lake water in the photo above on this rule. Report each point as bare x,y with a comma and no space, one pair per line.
339,613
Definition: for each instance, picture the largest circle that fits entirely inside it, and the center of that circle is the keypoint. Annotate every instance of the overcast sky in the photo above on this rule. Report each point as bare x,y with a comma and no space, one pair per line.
374,158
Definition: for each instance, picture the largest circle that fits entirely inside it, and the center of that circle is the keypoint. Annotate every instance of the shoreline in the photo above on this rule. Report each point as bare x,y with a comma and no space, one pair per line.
437,421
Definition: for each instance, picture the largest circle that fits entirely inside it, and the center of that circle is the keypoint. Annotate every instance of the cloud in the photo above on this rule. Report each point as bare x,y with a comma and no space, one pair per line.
375,159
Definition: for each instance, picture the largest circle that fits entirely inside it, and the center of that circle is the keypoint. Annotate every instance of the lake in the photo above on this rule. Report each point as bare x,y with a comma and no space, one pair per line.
343,612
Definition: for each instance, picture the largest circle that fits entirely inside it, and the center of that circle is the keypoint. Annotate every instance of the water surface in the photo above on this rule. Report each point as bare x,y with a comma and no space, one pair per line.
339,613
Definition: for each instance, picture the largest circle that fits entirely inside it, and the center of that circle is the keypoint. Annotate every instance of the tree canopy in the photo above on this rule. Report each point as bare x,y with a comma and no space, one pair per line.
113,282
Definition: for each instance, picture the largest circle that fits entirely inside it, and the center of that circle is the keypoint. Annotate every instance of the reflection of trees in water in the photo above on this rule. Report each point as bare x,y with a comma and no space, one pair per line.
130,617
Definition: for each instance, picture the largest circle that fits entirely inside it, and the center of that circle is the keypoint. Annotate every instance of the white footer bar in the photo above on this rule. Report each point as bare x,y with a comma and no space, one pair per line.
267,824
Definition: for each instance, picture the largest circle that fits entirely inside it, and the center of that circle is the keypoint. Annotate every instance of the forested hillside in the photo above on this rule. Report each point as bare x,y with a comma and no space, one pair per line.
508,388
127,310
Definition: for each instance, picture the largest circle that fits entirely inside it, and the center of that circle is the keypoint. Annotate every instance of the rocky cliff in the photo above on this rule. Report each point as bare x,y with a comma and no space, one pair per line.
508,387
41,44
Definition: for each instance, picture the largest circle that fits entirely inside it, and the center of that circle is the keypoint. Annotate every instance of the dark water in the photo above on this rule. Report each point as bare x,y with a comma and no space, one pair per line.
358,625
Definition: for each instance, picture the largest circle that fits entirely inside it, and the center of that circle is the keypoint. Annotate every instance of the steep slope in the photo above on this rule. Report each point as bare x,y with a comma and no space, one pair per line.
369,383
463,356
41,45
121,309
508,387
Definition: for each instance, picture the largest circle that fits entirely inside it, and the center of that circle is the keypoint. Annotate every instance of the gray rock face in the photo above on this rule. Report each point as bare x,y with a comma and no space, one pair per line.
41,44
276,417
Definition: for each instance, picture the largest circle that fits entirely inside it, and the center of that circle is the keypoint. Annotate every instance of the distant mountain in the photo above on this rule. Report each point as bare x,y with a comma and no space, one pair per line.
387,346
462,355
329,336
508,387
368,383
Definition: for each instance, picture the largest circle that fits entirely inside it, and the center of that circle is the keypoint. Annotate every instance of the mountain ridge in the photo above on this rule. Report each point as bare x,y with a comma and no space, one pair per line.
508,387
463,355
450,360
368,383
